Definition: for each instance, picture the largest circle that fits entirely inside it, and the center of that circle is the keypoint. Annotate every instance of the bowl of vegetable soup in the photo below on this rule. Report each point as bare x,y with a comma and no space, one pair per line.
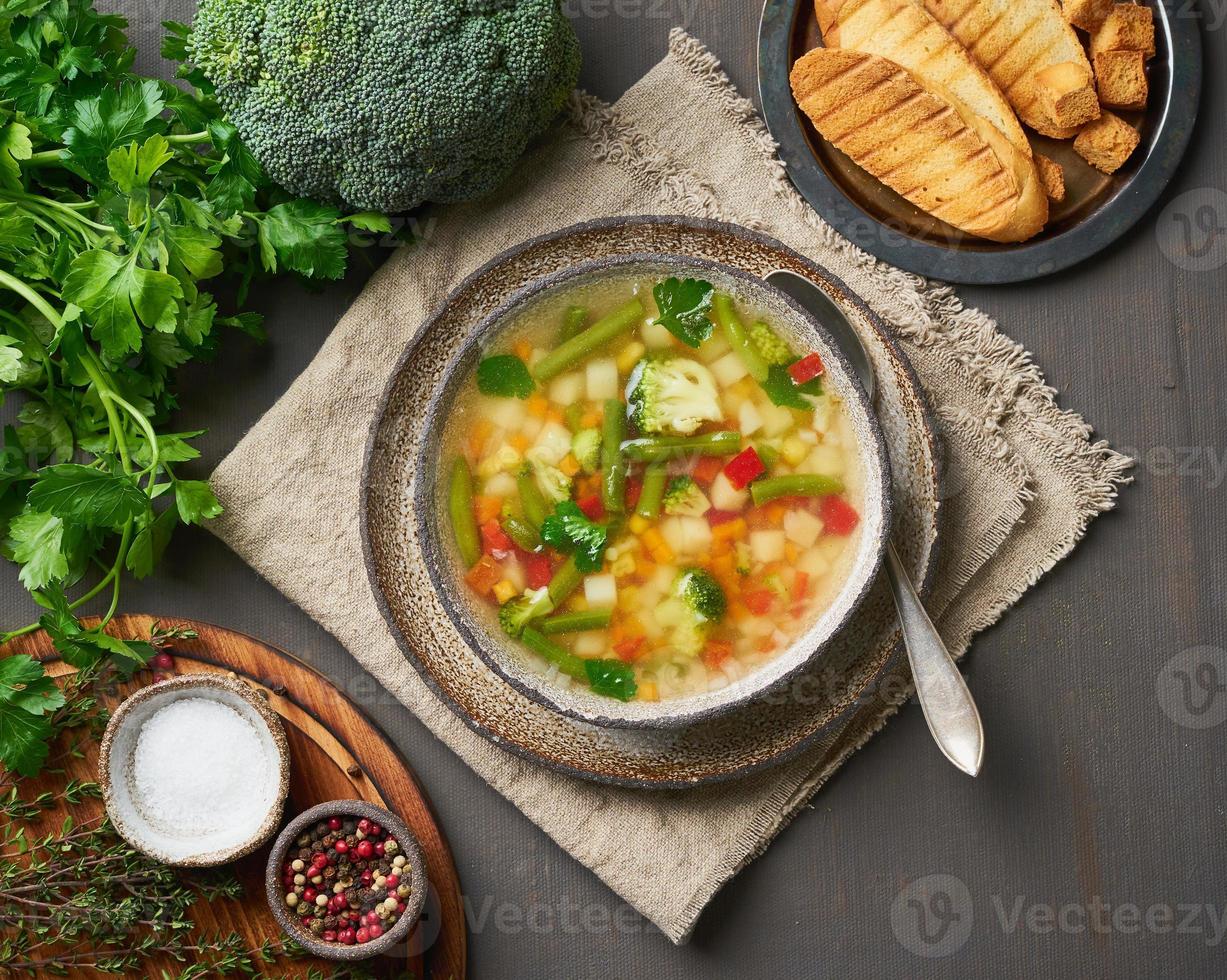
650,489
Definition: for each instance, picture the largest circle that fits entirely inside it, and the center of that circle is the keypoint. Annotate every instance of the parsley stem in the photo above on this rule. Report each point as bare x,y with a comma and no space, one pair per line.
201,137
33,298
93,368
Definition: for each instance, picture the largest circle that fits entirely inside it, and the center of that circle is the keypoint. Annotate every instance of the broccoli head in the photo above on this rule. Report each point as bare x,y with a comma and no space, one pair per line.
515,614
683,497
770,345
671,395
701,594
385,104
586,448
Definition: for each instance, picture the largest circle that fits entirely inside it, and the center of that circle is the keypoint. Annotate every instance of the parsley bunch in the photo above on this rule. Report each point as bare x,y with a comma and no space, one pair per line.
122,200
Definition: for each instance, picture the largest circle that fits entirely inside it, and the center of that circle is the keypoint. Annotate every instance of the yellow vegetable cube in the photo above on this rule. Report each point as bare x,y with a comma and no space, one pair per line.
504,591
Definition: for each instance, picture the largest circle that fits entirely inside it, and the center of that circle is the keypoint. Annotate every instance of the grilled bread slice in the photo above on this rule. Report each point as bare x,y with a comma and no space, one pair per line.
1013,40
904,32
921,143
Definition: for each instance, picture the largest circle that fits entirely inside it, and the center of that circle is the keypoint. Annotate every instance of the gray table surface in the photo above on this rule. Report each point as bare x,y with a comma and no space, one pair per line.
1091,844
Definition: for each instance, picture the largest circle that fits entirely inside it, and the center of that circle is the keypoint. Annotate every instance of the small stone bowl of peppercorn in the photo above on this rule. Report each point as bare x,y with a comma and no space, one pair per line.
346,880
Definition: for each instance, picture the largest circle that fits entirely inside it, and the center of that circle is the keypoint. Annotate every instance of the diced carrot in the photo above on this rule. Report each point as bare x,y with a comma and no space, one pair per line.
478,435
493,538
537,406
554,415
569,465
518,442
800,585
775,514
523,349
737,612
716,652
644,567
630,649
590,420
765,644
486,508
723,566
707,469
657,546
720,546
758,601
729,530
790,552
483,576
647,691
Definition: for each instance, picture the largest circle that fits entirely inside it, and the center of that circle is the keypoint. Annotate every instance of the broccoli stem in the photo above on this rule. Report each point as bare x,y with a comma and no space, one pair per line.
572,323
586,343
613,466
654,479
576,622
795,485
738,337
653,449
460,509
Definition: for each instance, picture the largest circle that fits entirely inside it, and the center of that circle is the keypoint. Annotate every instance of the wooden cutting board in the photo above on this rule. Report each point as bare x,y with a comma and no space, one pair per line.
336,753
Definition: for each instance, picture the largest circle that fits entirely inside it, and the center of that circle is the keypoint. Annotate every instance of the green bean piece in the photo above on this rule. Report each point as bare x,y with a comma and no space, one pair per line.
653,449
576,622
460,509
738,337
564,660
654,479
522,533
768,454
536,509
588,342
572,323
795,485
567,578
613,466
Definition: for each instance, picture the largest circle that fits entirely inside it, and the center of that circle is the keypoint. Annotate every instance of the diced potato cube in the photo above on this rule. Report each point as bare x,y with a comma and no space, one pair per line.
776,420
825,459
590,644
503,413
823,415
802,528
515,575
749,420
567,389
814,564
655,335
552,444
601,591
728,369
686,535
502,484
670,613
713,348
767,546
602,375
536,355
724,497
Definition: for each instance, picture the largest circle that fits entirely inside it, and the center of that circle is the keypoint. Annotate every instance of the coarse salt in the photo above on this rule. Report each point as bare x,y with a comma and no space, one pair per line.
201,768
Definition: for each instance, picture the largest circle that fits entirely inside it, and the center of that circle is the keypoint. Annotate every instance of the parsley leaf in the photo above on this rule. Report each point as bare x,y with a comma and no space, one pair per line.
36,539
570,531
783,391
195,501
23,685
612,678
303,236
115,117
23,739
504,376
151,541
116,292
683,305
91,496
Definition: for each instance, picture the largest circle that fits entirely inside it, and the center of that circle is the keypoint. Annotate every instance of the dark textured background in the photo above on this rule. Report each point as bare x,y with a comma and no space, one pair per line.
1091,792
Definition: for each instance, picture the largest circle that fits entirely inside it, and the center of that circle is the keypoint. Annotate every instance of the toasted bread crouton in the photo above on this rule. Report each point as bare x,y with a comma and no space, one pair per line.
1106,143
1121,79
1067,94
1129,27
1052,177
1087,14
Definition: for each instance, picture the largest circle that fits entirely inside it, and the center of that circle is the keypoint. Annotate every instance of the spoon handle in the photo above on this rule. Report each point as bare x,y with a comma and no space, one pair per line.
948,707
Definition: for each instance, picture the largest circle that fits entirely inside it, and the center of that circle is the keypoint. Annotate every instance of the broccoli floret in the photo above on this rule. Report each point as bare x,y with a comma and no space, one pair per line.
554,484
701,593
385,104
675,395
683,497
515,614
586,448
770,345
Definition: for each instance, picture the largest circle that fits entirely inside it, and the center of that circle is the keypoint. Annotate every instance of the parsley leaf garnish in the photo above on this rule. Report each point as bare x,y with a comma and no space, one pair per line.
570,531
683,305
612,678
783,391
504,376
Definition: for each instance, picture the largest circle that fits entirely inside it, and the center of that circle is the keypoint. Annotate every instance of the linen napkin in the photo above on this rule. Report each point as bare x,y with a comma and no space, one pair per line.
1022,477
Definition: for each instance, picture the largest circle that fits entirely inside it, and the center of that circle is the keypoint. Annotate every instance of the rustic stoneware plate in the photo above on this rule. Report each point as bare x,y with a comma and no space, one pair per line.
477,622
765,729
1097,209
145,831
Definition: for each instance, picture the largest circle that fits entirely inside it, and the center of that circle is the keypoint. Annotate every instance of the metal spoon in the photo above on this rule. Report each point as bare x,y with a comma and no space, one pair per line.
948,707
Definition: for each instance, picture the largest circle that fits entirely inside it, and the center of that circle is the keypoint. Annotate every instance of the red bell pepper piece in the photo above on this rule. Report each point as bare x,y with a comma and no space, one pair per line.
494,539
537,570
806,369
630,649
743,468
838,516
715,653
717,517
634,487
592,507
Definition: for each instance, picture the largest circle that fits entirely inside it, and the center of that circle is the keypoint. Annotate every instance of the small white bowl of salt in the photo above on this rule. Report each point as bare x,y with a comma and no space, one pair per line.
195,770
